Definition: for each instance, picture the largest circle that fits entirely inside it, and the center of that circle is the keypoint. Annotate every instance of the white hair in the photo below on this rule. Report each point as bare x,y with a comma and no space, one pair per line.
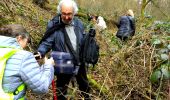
70,2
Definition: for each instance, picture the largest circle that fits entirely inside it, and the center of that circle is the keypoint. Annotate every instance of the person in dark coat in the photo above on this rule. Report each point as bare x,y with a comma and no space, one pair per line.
74,28
126,26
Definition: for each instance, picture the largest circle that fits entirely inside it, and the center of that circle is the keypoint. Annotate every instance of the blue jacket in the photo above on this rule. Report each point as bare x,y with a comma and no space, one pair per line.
126,26
56,40
23,68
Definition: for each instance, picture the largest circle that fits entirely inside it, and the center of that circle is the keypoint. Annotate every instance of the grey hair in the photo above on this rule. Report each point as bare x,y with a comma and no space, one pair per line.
14,30
74,4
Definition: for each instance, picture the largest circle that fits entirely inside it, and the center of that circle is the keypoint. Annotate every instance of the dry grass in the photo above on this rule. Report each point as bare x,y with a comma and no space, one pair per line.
124,72
111,9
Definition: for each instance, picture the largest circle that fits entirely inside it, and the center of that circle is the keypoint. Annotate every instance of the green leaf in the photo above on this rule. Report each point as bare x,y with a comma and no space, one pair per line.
155,76
164,57
165,65
168,46
168,38
162,50
166,73
157,41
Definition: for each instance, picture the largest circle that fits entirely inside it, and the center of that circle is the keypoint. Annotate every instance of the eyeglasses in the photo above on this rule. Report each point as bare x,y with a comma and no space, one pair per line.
67,14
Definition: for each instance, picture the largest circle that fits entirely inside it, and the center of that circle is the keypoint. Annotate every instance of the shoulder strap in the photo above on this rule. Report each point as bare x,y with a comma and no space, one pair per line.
57,24
70,47
51,31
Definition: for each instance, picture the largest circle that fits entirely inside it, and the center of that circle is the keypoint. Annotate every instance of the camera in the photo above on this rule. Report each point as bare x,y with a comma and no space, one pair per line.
37,55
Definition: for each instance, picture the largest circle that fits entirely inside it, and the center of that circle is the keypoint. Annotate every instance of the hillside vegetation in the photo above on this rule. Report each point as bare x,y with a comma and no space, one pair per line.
138,69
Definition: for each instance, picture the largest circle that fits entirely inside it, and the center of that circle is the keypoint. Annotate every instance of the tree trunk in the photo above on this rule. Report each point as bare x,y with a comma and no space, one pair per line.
144,4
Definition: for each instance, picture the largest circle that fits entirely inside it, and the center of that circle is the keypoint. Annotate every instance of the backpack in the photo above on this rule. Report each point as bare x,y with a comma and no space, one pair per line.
124,33
6,53
90,48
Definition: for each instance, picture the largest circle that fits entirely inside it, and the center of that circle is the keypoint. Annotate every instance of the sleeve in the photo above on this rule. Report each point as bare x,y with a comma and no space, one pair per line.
37,78
49,25
79,24
46,44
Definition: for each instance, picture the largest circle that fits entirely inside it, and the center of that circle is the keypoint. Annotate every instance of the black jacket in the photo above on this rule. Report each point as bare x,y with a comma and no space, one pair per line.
126,27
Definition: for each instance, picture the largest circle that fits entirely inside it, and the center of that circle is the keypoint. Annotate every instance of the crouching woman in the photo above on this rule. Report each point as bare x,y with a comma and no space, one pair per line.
21,69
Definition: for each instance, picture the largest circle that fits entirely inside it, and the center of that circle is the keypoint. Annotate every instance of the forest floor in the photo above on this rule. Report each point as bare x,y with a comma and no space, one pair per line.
124,68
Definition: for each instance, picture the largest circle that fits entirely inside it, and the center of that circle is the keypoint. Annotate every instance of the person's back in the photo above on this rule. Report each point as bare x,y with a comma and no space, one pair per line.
22,68
101,24
126,26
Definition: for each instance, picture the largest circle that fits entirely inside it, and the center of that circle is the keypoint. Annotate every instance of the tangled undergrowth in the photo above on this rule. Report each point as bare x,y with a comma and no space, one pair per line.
126,72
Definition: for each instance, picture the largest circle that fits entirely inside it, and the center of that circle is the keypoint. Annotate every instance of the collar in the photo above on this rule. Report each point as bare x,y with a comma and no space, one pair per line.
71,24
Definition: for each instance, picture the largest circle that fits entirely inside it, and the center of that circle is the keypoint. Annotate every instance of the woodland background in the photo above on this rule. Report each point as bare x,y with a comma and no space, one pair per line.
138,69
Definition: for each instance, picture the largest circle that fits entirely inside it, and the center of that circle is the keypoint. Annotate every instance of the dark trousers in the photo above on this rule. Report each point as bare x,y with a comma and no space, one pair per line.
63,82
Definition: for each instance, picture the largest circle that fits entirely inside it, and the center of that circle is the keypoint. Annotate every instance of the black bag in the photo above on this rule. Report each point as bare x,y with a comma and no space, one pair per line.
63,63
90,48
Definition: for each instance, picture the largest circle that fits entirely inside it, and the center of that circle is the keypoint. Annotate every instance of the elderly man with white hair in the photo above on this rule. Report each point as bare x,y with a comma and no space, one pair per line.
67,41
